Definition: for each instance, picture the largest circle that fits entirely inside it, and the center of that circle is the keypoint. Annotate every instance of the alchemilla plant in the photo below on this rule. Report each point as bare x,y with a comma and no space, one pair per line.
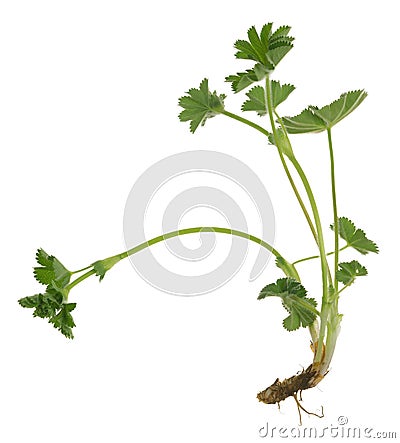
262,51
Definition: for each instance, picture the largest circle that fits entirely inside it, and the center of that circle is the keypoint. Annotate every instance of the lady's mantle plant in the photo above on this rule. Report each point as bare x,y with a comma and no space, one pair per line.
264,50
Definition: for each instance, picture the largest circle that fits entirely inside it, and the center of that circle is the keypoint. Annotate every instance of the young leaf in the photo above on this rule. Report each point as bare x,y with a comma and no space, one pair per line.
305,122
348,271
354,237
200,105
242,80
51,269
267,49
340,108
302,310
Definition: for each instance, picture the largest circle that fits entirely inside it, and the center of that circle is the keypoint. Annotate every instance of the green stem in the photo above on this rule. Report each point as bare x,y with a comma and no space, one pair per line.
324,262
335,212
80,279
186,231
290,271
285,167
299,199
81,270
246,122
312,257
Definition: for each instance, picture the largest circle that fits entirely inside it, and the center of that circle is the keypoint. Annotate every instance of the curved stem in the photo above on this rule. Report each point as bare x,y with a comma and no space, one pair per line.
186,231
290,271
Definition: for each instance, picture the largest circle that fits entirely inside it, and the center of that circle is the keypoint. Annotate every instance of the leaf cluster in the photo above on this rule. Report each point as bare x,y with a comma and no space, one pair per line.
354,237
266,49
52,304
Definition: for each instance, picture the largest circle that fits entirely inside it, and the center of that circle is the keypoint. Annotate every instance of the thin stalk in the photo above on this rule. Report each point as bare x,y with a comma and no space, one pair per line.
324,262
312,257
246,122
116,258
335,212
80,279
284,164
299,199
186,231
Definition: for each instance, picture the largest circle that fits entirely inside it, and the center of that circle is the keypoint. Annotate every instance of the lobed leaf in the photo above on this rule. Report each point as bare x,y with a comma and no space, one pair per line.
355,237
302,310
303,123
314,119
257,97
340,108
199,105
256,101
51,270
349,271
267,49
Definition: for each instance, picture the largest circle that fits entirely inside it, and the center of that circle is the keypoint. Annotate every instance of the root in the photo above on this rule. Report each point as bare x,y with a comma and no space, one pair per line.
299,406
281,390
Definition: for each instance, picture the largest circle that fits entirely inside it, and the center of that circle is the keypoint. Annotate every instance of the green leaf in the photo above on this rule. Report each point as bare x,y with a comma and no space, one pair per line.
266,49
256,101
302,310
340,108
200,105
257,97
348,271
304,122
63,321
355,237
30,302
51,270
280,92
52,303
242,80
314,119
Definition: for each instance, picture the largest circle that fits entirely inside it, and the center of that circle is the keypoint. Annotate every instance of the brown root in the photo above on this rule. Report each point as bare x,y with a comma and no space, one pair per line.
281,390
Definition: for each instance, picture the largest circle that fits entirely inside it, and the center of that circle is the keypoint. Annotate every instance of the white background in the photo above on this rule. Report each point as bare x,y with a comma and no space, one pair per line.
88,101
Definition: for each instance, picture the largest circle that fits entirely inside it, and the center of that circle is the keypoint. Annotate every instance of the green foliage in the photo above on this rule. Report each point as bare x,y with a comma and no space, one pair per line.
302,310
52,304
355,237
51,269
313,119
257,97
340,108
267,49
63,320
199,105
305,122
257,101
349,271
